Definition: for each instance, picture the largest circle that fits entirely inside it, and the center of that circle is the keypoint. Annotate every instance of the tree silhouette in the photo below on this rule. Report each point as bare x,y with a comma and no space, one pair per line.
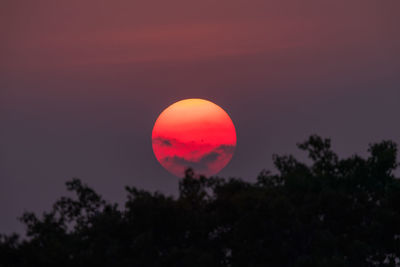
334,212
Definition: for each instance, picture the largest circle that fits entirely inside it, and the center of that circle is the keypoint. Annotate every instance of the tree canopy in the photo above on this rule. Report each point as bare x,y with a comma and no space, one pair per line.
332,212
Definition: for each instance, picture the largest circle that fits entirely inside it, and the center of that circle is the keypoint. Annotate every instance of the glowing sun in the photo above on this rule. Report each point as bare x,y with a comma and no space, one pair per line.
194,133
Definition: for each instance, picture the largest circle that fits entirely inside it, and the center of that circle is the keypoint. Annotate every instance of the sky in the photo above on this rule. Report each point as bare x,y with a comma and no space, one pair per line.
82,83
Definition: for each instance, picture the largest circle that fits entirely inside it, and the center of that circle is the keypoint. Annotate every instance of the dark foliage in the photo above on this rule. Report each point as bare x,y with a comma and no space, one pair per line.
335,212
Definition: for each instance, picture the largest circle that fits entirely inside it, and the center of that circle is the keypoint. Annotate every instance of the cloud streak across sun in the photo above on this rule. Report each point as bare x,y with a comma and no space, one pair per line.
194,133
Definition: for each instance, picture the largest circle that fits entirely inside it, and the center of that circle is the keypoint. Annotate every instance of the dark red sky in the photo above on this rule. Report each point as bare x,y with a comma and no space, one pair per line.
82,82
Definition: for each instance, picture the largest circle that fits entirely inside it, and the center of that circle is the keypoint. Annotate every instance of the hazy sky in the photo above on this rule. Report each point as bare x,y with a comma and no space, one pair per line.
82,83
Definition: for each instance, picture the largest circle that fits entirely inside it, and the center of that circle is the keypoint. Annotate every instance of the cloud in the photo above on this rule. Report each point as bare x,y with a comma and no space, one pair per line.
163,141
227,149
202,165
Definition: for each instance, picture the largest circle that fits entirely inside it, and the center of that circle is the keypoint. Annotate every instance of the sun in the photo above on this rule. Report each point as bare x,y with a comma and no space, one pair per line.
194,133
